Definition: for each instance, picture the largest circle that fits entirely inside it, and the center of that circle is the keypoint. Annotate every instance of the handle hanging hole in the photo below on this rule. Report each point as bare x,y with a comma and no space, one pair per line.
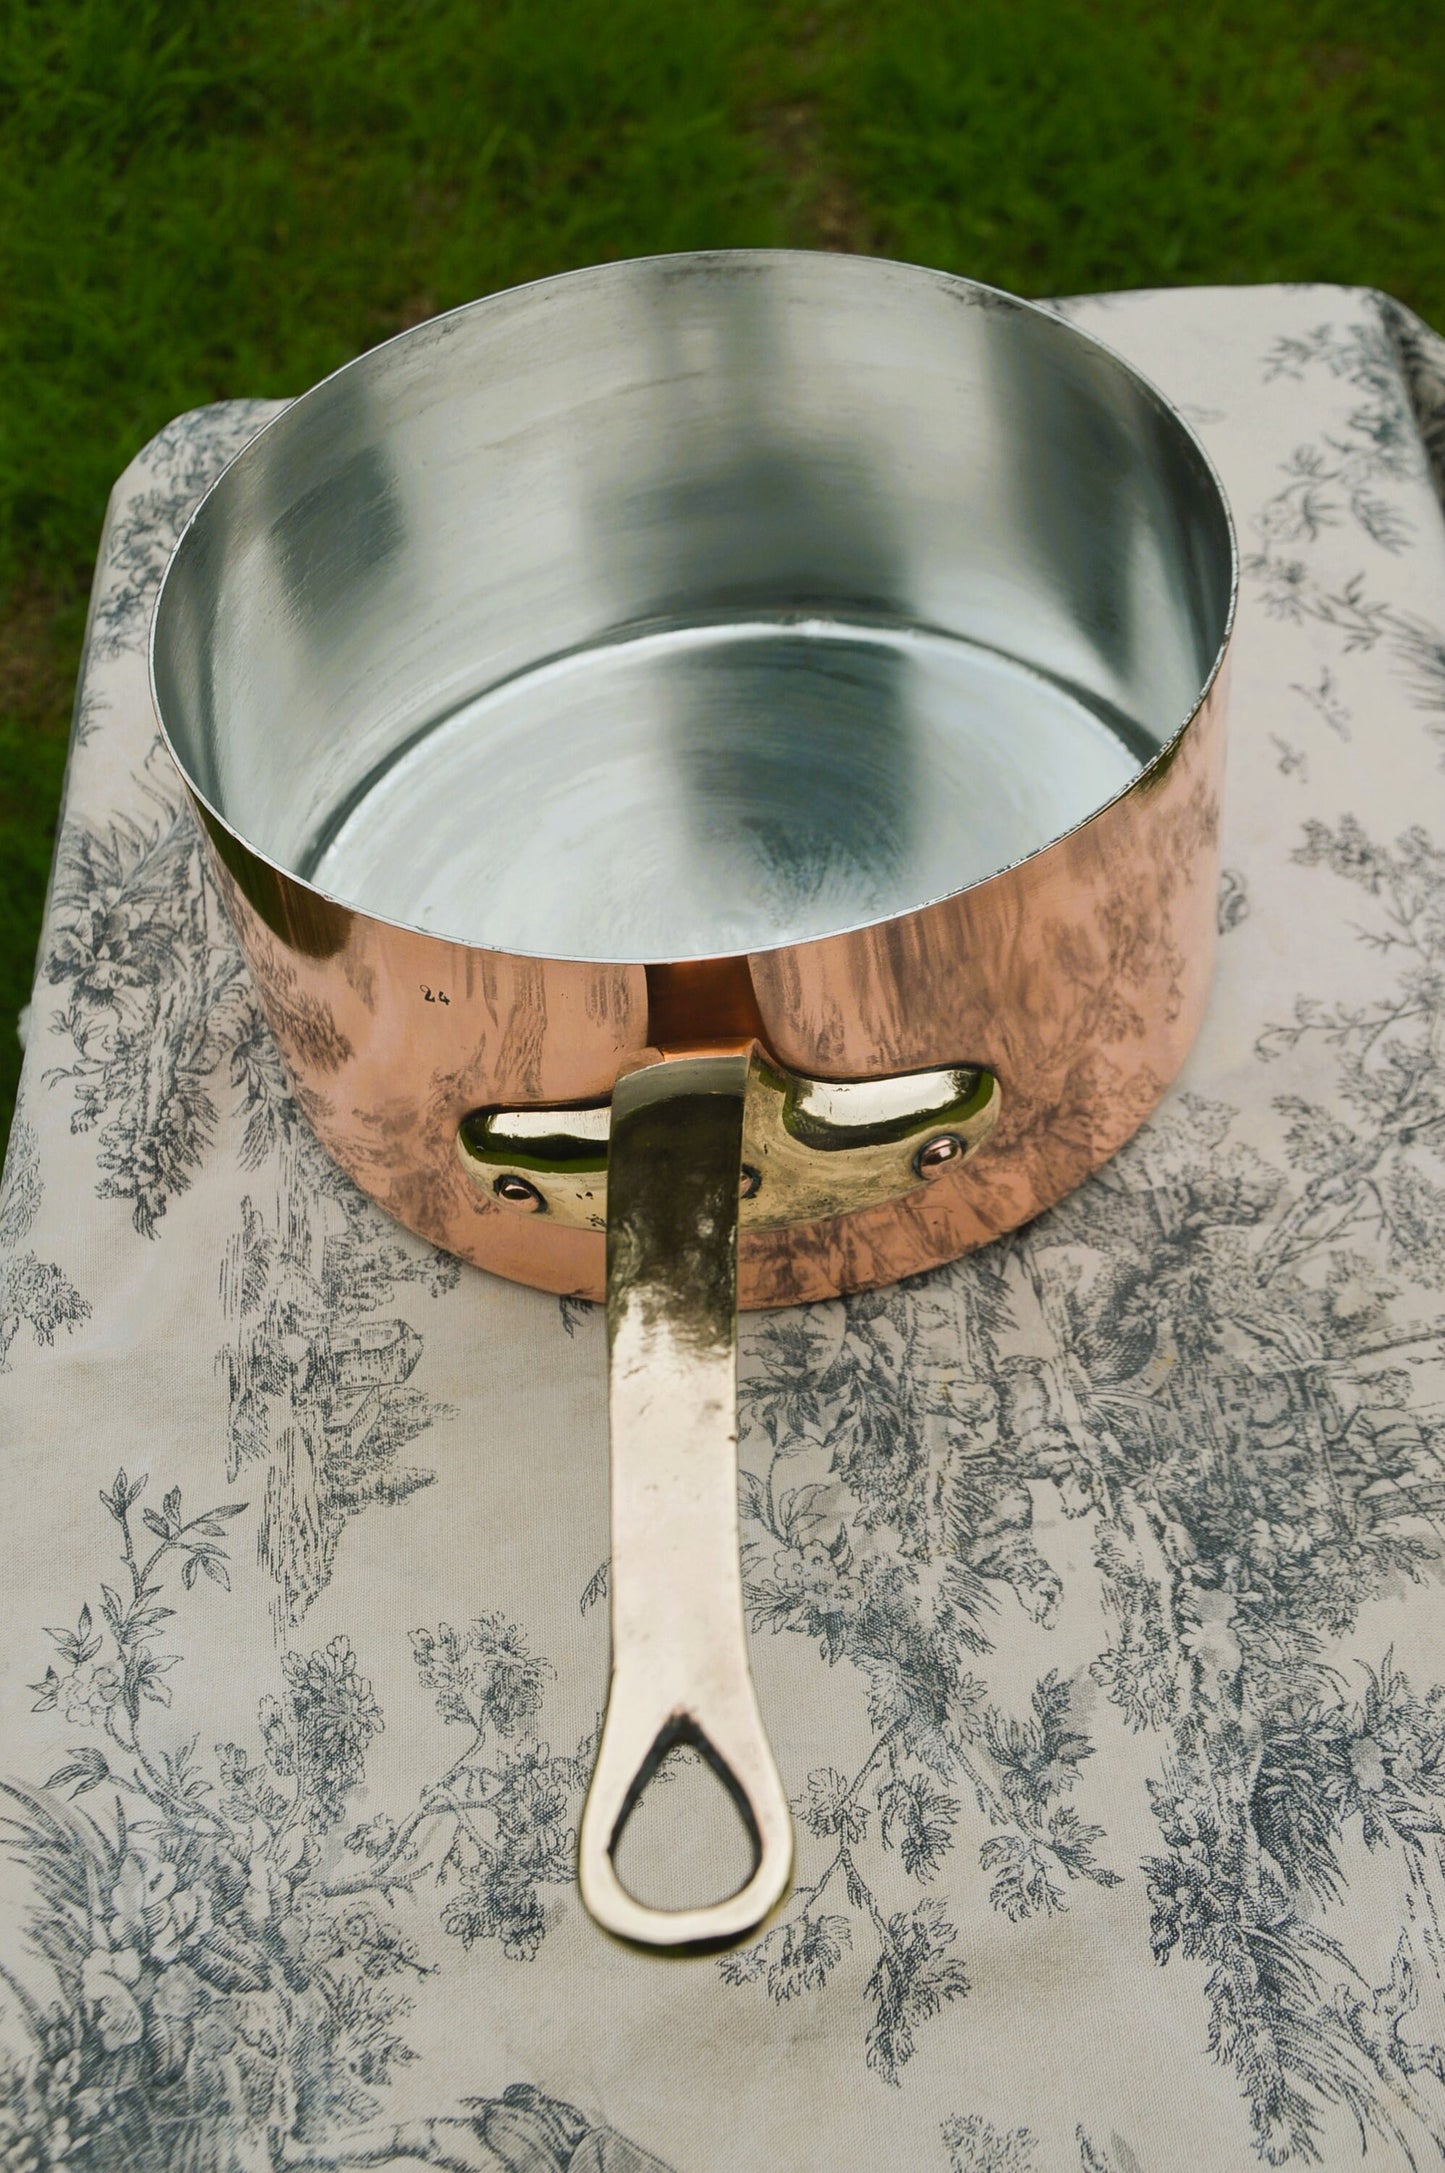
684,1843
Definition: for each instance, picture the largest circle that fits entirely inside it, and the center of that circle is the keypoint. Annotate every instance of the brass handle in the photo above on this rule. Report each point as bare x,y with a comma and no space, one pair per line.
680,1669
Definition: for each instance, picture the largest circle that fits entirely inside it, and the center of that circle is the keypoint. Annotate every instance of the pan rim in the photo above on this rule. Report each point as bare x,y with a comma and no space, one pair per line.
693,261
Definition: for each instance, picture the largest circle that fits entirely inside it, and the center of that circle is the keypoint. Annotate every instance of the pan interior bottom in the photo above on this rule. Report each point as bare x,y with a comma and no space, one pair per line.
695,791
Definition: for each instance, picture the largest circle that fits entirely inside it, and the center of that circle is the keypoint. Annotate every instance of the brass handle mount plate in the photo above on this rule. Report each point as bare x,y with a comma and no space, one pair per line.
812,1148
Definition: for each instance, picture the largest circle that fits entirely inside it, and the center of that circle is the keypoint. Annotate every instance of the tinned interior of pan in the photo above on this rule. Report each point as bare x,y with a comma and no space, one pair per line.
694,606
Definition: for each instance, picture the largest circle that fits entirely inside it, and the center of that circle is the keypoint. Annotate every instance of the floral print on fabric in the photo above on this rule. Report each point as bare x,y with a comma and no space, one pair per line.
230,1966
1094,1581
36,1298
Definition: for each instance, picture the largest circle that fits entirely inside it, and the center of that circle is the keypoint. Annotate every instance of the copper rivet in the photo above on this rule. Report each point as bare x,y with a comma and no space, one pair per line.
516,1192
936,1154
749,1182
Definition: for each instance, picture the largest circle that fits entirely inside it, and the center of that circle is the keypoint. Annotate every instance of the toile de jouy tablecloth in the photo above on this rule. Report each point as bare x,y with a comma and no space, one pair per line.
1097,1582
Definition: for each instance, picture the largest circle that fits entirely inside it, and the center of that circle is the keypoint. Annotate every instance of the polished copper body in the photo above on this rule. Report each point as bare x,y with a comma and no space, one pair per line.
1079,977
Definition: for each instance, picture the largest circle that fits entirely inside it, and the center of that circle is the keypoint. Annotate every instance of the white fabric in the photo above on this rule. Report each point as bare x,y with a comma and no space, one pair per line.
1096,1579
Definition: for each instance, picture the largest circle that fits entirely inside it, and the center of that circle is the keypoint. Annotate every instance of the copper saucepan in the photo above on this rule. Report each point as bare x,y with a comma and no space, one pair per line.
714,763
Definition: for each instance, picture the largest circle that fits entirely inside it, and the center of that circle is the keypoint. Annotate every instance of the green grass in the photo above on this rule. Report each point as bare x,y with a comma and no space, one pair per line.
198,201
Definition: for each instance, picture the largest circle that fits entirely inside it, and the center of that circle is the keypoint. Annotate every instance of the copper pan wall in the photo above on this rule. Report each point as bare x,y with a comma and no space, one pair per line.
1079,977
